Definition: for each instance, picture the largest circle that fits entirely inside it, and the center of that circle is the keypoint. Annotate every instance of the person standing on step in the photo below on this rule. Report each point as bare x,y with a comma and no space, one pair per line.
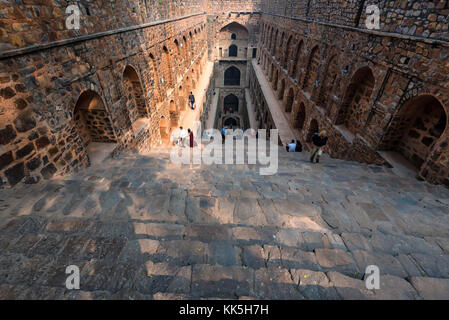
319,143
223,135
191,138
192,100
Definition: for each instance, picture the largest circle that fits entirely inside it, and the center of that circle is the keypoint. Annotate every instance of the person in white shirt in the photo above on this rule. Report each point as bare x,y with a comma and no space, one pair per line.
291,146
182,136
174,137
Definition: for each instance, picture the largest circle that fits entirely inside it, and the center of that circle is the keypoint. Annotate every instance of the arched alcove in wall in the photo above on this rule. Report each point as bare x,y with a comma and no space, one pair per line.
313,128
356,99
92,119
289,99
231,104
134,94
415,129
232,76
233,50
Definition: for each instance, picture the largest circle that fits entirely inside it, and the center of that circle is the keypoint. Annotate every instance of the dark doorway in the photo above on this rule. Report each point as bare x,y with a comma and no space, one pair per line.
231,123
232,77
233,51
231,104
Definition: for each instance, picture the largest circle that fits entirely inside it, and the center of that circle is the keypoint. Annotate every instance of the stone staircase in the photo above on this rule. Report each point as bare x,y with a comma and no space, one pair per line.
141,227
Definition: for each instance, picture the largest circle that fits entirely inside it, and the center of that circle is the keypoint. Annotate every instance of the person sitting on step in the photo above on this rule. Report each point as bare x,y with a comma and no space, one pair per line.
298,146
291,147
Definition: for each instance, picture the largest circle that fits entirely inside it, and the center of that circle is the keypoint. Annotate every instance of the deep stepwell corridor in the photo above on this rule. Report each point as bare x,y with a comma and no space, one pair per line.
142,227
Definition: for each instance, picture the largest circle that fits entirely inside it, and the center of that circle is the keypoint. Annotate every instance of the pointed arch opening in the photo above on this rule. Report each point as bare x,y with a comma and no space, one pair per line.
300,117
92,119
167,66
289,100
164,129
416,129
296,61
356,100
232,76
155,78
275,80
231,104
312,69
134,94
231,123
233,50
287,53
313,128
328,83
94,127
235,30
281,92
174,115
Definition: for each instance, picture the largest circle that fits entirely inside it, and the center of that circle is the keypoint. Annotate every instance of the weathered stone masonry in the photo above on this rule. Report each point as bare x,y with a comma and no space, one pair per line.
125,76
113,88
385,90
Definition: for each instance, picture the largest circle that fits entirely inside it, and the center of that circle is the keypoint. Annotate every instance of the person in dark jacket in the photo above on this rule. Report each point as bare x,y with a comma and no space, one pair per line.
223,135
298,146
319,142
191,100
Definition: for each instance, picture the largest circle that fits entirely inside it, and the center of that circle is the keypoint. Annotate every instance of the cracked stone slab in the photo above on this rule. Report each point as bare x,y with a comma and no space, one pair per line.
388,265
221,282
336,259
224,254
253,257
182,252
314,285
293,258
104,276
434,266
356,241
276,284
350,288
159,230
139,250
248,212
152,278
395,244
291,238
395,288
259,235
431,288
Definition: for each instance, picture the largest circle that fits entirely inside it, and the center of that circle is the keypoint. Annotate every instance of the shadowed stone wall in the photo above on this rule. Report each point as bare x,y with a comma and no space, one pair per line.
41,133
356,83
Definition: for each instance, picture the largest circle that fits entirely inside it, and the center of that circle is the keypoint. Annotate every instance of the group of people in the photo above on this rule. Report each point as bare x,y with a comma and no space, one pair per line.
183,136
319,141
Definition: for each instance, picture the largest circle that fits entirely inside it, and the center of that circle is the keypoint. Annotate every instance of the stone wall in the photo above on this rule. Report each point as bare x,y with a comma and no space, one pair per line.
42,132
354,84
26,23
142,58
219,6
262,112
419,18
